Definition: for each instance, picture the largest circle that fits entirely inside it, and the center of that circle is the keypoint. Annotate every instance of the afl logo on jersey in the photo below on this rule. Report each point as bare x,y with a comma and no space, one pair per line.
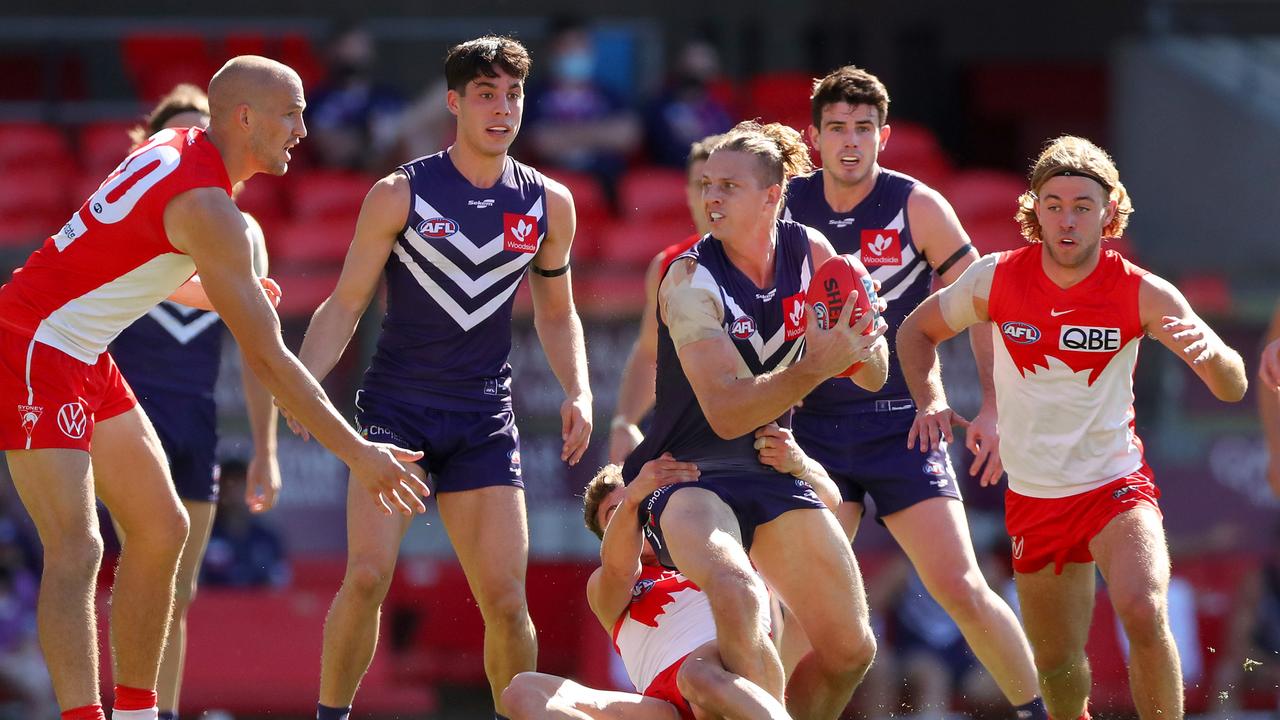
744,327
438,227
641,588
1020,332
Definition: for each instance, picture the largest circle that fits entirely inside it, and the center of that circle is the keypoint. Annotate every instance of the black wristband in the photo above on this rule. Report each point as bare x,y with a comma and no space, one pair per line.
549,273
955,258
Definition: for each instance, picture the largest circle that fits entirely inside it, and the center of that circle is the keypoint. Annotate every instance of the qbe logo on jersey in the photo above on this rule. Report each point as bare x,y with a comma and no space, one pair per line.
881,247
1083,338
519,232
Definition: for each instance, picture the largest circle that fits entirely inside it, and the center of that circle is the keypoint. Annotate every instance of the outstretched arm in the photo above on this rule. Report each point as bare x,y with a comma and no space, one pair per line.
941,316
559,328
639,374
1167,316
206,225
937,231
1269,400
609,588
262,481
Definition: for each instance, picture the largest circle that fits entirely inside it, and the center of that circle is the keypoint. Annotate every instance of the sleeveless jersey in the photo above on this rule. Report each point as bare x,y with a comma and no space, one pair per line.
668,618
112,261
766,327
1064,362
878,233
172,349
451,282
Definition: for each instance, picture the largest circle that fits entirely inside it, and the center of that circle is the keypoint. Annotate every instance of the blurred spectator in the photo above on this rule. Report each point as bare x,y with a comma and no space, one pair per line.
25,688
426,126
1254,634
352,118
572,121
687,111
243,550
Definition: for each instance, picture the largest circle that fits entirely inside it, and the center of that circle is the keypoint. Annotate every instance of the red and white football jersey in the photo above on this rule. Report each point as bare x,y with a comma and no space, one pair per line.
1064,362
668,618
112,261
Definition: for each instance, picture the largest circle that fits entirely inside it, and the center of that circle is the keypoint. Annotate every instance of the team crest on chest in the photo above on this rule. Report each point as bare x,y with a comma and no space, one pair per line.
519,232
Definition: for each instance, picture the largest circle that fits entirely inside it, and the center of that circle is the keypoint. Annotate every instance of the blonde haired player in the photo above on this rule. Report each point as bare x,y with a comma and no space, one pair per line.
1067,318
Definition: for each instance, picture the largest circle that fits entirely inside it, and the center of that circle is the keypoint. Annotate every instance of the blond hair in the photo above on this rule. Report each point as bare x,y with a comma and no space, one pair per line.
608,479
1071,155
778,148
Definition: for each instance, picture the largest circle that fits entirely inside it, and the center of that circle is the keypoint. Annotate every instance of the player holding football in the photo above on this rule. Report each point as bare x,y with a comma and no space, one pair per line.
731,319
901,229
1067,318
635,388
163,214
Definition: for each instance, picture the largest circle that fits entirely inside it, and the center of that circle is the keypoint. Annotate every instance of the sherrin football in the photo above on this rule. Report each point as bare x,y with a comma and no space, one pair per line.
830,287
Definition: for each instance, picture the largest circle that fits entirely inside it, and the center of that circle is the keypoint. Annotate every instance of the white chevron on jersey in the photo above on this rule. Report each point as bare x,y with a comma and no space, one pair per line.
764,349
183,332
471,286
466,320
476,254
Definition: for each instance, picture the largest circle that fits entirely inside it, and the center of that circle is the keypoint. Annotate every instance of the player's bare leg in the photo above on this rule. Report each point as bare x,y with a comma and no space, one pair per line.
57,489
703,538
795,644
1133,556
351,628
537,696
132,478
490,534
705,683
935,536
806,557
174,658
1056,612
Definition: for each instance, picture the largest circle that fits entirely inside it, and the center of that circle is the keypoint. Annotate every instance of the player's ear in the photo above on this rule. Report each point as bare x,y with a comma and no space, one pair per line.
775,195
1109,214
242,115
451,100
885,132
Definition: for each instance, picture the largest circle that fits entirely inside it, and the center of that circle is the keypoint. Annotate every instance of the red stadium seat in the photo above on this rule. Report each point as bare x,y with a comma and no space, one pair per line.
27,232
592,208
653,194
984,194
298,52
995,235
329,194
307,243
36,190
914,149
103,145
781,97
264,198
32,145
302,290
635,243
156,61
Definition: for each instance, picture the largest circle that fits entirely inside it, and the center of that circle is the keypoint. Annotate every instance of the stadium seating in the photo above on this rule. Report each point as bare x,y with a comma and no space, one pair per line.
780,97
29,144
635,243
980,195
329,194
653,194
102,145
156,61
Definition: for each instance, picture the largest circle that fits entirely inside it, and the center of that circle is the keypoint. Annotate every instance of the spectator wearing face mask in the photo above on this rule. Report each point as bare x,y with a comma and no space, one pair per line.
572,121
352,118
687,110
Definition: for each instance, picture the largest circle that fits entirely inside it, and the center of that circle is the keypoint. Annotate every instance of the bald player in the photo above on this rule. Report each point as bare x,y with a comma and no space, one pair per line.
163,214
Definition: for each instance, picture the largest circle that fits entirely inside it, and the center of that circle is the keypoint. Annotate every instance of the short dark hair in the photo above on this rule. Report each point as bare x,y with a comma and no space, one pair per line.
484,56
853,85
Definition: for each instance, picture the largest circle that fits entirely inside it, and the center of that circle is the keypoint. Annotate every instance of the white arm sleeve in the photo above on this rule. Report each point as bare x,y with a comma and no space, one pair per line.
957,299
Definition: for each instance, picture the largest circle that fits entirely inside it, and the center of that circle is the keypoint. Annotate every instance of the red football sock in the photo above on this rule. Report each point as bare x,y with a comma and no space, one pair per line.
128,698
88,712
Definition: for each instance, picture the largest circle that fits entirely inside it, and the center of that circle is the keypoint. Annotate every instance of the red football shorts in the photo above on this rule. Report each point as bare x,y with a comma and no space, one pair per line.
664,687
48,399
1058,530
